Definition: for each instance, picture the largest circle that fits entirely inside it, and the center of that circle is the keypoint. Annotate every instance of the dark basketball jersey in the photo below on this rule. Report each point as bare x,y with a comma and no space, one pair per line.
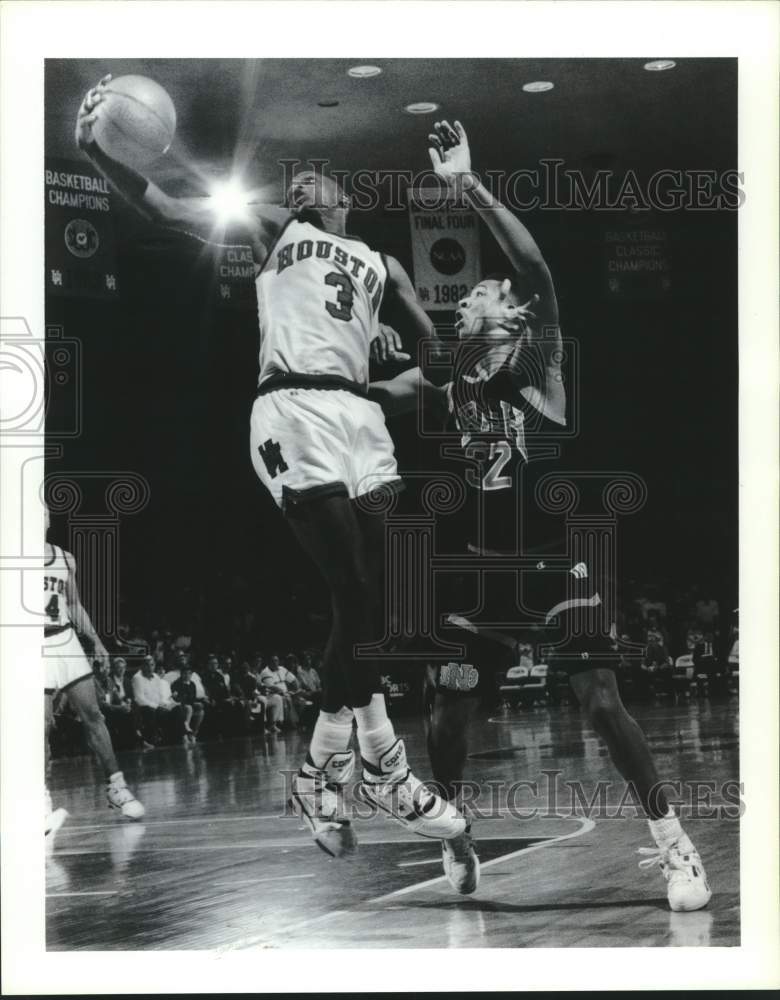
493,431
518,581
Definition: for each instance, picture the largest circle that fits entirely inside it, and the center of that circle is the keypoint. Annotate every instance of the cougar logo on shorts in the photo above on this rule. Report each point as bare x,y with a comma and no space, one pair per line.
271,454
458,676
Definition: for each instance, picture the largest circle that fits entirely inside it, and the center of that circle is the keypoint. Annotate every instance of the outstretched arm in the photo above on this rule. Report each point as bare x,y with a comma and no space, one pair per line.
408,391
451,160
194,216
401,310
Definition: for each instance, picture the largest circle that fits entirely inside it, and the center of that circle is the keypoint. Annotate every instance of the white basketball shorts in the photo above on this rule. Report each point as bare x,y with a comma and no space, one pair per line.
64,661
309,442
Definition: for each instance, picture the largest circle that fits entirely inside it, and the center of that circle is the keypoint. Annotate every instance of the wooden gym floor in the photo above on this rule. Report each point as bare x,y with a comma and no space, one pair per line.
217,865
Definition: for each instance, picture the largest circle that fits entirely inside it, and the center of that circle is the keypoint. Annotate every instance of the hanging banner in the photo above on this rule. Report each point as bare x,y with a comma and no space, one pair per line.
80,249
638,266
445,248
235,276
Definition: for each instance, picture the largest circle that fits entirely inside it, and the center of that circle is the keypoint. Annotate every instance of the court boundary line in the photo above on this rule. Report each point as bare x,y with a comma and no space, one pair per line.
586,825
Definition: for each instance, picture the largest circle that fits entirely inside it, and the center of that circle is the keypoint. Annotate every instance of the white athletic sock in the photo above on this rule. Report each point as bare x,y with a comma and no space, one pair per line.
332,733
374,730
667,830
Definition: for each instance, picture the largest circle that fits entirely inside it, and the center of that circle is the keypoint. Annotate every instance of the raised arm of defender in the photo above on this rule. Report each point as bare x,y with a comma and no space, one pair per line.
194,216
451,159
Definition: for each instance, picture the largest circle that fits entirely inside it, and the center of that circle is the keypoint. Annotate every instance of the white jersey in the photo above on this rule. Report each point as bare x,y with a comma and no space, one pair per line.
318,298
55,601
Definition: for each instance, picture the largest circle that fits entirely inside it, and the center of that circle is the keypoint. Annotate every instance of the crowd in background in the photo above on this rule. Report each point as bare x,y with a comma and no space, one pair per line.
162,689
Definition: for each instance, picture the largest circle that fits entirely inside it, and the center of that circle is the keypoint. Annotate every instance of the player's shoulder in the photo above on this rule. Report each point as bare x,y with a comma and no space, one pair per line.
68,557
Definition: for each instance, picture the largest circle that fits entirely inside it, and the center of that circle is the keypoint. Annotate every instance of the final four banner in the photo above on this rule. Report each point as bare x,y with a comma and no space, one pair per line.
445,248
80,258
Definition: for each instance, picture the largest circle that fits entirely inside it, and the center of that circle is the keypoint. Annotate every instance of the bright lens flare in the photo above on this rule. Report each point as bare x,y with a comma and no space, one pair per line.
229,201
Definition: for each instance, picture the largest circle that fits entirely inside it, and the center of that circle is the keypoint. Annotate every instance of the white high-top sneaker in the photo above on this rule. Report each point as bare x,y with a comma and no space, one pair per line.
461,863
120,797
687,886
53,820
395,790
318,800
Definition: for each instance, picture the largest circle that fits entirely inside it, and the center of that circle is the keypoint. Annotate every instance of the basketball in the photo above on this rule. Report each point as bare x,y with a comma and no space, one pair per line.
137,120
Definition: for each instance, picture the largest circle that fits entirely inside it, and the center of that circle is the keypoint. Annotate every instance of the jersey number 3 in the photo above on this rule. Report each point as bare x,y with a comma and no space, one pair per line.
342,307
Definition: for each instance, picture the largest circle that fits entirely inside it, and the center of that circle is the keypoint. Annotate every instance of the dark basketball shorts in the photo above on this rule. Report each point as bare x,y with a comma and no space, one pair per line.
574,634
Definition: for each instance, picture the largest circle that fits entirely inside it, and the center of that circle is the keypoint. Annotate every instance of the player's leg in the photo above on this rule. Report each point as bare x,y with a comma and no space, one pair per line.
53,818
597,693
447,718
81,694
339,540
447,723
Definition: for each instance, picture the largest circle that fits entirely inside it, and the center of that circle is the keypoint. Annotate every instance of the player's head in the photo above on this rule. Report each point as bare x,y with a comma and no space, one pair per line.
147,666
118,666
311,189
490,310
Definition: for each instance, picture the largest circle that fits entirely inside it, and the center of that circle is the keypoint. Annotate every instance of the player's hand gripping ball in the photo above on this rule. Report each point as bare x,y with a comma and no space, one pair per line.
131,118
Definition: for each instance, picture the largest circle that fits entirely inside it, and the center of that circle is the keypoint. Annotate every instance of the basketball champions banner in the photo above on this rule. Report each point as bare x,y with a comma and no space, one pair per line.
638,261
80,256
445,248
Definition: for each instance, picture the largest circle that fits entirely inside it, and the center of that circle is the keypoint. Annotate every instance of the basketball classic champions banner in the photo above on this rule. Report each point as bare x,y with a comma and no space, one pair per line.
445,248
80,257
235,277
638,264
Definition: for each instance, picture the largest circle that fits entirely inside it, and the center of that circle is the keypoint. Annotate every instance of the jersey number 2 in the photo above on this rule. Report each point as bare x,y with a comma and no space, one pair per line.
344,296
500,453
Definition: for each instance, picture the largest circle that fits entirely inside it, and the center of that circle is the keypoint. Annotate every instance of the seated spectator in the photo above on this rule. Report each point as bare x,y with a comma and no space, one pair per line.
300,699
118,708
257,706
182,659
278,682
226,712
309,683
657,663
157,711
184,691
707,613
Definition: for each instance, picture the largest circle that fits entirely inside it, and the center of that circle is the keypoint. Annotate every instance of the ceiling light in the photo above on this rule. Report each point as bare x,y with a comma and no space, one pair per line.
656,65
422,108
363,72
537,86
